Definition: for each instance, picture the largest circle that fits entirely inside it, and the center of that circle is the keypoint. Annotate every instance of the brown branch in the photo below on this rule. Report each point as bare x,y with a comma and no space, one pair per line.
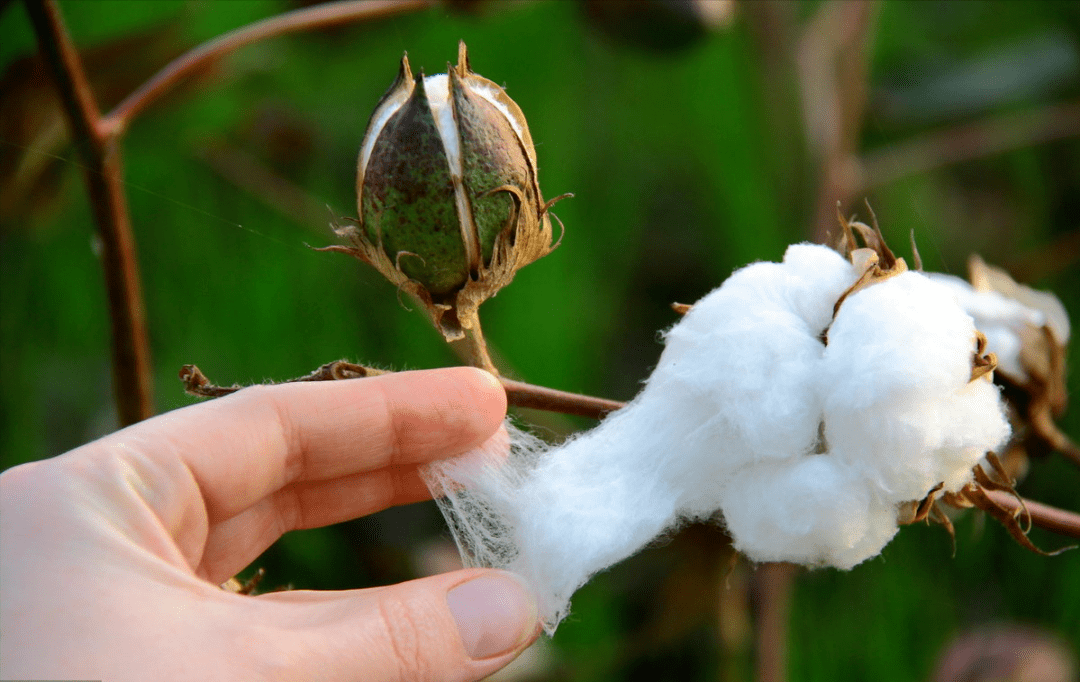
1060,521
520,394
104,179
966,142
317,16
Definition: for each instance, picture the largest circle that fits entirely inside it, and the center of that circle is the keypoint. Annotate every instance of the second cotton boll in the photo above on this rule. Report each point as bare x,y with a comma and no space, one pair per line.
805,430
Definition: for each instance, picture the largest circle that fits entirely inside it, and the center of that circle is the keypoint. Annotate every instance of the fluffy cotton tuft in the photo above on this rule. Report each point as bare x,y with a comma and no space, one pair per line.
1002,319
804,431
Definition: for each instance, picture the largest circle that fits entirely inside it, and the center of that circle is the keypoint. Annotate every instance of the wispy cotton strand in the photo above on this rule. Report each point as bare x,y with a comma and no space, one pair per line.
803,425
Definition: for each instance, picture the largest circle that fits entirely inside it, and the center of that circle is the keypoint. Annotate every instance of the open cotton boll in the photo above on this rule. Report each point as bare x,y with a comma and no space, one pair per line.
731,421
900,402
921,344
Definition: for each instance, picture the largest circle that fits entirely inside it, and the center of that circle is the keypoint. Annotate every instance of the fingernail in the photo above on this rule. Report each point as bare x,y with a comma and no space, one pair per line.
495,613
488,378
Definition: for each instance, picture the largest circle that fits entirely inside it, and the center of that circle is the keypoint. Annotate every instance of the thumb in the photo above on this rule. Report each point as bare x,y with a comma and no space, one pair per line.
460,626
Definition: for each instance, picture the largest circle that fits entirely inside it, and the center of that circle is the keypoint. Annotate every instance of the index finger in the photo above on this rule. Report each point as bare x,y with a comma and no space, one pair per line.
248,445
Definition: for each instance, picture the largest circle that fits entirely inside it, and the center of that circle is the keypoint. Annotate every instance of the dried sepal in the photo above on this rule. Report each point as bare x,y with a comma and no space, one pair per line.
913,512
930,509
999,479
1007,518
982,363
938,516
1017,521
875,261
681,308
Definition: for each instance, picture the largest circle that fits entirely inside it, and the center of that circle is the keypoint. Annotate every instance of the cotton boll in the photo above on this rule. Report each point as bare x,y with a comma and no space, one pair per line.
731,421
815,512
906,448
902,338
898,401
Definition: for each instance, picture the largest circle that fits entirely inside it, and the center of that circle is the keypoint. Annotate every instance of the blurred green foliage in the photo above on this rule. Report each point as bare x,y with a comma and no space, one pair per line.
686,164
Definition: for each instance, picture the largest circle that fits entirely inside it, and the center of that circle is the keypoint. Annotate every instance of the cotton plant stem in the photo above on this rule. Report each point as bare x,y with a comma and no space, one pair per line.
472,349
317,16
520,394
1060,521
770,588
104,179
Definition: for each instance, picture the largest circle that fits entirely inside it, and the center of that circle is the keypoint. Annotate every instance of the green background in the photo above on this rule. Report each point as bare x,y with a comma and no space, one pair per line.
686,163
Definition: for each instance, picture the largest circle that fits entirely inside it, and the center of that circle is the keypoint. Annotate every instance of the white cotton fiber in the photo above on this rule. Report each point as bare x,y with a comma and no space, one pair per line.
805,448
815,511
1001,318
897,399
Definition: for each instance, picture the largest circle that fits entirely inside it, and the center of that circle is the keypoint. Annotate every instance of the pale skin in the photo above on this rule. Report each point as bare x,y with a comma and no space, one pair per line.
113,553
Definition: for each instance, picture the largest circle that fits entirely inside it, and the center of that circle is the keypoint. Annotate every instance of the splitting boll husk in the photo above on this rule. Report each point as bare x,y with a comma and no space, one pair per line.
804,404
447,195
1028,331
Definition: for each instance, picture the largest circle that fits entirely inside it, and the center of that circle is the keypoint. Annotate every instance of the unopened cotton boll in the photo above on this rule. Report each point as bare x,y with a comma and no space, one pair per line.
803,430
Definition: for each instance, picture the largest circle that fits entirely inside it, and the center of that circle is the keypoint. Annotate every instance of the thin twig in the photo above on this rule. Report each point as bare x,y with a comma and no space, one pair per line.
520,394
317,16
1060,521
130,349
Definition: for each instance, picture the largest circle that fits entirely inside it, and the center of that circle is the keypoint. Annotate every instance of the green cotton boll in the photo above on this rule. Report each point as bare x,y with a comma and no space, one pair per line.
446,166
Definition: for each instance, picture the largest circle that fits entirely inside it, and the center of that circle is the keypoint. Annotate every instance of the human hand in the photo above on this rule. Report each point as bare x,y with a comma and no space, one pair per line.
112,553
